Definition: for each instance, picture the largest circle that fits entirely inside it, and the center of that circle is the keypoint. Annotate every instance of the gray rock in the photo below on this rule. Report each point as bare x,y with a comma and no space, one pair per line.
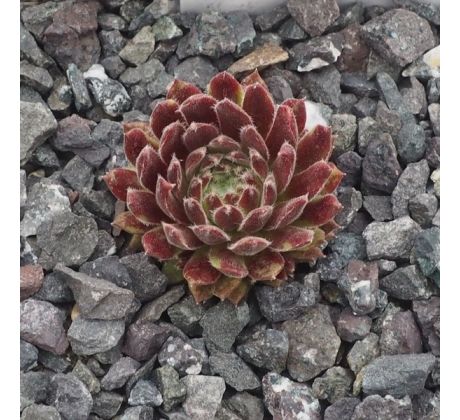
413,94
351,201
365,107
181,356
429,11
108,93
291,31
368,130
148,281
350,163
344,127
434,113
358,84
159,86
204,394
28,356
113,66
398,375
313,343
388,120
87,377
411,142
107,404
53,362
426,405
426,252
30,50
235,372
97,298
351,327
411,183
427,314
61,98
324,85
119,373
196,70
40,412
223,413
391,240
34,388
342,409
379,207
436,178
314,16
139,48
315,53
112,42
141,412
222,323
286,399
381,168
271,18
211,35
400,335
288,301
363,352
90,336
37,125
399,35
41,325
279,88
246,406
78,174
267,349
170,387
54,290
145,393
80,90
186,315
99,203
153,310
360,284
70,397
333,385
35,77
165,29
407,283
22,189
422,208
433,90
383,408
46,157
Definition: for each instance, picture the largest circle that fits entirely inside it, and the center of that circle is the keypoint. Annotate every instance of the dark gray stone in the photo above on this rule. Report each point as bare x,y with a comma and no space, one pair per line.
181,356
434,113
145,393
388,120
110,269
34,388
279,88
365,107
407,283
78,174
383,408
427,313
358,84
40,412
171,388
46,157
398,375
186,315
80,90
111,21
342,409
314,16
291,31
153,310
119,373
426,253
53,362
196,70
271,18
113,66
244,31
54,290
429,11
368,130
35,77
379,207
112,42
324,86
85,375
141,412
28,356
333,385
106,404
30,51
363,352
344,127
350,163
433,90
246,406
351,201
414,96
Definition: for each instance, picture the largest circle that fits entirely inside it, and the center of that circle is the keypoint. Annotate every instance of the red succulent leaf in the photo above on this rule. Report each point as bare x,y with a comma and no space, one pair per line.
233,290
231,118
180,91
284,129
193,161
181,237
283,167
201,292
199,108
333,181
258,164
119,180
128,223
175,174
311,180
265,266
251,139
252,78
212,202
143,206
299,108
259,105
256,219
249,199
290,238
129,125
156,245
135,140
194,211
269,193
228,217
314,146
223,144
198,270
330,228
199,134
227,262
164,113
195,188
224,85
148,167
249,245
238,157
167,201
210,235
321,210
171,142
287,212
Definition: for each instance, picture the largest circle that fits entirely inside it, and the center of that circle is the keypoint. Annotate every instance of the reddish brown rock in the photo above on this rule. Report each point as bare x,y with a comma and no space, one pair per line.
355,52
31,280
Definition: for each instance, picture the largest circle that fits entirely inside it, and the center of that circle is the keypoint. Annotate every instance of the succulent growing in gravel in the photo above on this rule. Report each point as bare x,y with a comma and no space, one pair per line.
227,187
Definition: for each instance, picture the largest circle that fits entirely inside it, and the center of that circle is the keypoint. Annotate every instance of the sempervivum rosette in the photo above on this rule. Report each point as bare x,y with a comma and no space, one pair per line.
228,186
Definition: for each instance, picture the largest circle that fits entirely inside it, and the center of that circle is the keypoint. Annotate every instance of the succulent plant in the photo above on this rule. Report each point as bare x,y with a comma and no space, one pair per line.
226,187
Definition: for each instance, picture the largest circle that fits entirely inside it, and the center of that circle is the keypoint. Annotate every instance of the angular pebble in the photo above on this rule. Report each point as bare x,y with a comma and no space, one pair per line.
119,373
171,388
314,16
145,393
407,283
181,356
379,408
333,385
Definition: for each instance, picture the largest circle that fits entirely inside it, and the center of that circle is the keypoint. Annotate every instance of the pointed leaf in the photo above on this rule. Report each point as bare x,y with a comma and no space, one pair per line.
258,164
175,174
314,146
195,212
252,78
249,199
128,223
269,192
212,202
199,134
228,217
299,108
143,206
171,142
251,139
330,228
283,167
249,245
193,161
227,262
223,144
224,85
167,201
135,140
148,167
256,219
180,91
231,118
333,181
290,238
265,266
181,237
259,105
156,245
164,113
130,125
195,188
287,212
198,270
199,108
310,181
233,290
321,210
119,180
284,129
210,235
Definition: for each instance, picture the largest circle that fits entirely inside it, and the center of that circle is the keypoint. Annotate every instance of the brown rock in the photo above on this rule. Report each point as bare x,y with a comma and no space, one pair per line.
260,58
355,52
31,280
